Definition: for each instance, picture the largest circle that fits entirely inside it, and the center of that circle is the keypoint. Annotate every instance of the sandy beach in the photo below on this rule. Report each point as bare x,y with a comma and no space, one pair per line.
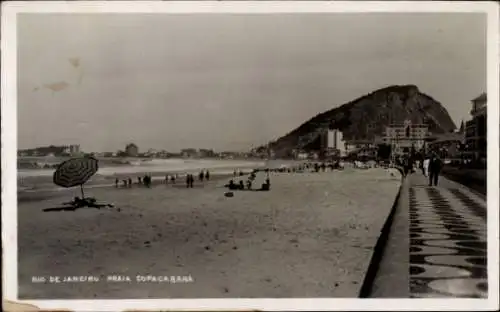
312,235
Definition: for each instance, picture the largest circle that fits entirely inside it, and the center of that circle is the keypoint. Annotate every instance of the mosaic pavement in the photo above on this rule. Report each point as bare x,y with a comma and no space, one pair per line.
447,242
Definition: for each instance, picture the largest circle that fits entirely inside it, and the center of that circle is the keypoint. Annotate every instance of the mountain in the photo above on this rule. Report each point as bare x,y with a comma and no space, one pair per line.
367,117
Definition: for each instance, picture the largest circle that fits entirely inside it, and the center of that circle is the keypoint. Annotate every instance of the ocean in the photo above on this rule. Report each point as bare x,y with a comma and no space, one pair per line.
35,174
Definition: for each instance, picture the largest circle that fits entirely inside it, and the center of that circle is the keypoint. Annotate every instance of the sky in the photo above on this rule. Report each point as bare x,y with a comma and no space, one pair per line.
228,81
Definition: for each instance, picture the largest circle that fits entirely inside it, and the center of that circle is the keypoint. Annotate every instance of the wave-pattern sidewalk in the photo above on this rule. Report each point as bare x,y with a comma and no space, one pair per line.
447,240
437,243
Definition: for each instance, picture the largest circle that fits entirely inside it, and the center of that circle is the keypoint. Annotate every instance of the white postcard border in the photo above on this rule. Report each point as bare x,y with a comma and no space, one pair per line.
9,148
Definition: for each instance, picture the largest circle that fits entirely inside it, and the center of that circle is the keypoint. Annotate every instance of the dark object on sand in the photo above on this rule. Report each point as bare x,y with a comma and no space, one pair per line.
231,185
77,202
201,176
241,186
207,175
129,182
172,179
139,180
116,182
229,194
266,186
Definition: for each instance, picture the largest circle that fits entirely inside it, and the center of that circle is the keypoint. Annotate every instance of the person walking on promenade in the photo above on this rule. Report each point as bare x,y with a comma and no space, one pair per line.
201,175
188,180
425,166
129,182
435,166
116,182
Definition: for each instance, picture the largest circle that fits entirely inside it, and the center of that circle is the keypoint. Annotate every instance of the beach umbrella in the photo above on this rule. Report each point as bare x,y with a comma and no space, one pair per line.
75,171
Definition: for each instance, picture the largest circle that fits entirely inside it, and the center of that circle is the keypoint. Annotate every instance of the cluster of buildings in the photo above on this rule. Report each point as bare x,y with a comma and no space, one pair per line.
52,150
469,142
132,150
476,129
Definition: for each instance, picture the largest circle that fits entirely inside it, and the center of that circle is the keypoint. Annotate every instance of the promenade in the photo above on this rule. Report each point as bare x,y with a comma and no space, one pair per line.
437,243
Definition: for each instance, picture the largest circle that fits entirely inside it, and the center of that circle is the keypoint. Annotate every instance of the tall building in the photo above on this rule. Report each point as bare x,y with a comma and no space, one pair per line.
402,137
476,128
74,149
131,150
333,143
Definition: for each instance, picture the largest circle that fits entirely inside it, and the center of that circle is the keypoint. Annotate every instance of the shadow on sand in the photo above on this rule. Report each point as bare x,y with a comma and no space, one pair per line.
73,208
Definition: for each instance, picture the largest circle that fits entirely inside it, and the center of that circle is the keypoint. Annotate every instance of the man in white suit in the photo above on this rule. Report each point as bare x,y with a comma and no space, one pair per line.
426,165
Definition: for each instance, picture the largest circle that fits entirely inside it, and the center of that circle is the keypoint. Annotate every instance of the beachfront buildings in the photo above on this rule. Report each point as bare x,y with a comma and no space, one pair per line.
206,153
403,137
52,150
131,150
476,129
360,148
332,143
448,145
72,150
189,152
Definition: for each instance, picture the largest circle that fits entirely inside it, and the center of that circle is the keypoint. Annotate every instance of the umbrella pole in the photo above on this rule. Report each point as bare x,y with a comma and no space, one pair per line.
81,187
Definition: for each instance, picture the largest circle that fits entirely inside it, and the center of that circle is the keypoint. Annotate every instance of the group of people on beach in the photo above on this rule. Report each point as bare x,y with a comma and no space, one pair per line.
203,175
146,180
266,186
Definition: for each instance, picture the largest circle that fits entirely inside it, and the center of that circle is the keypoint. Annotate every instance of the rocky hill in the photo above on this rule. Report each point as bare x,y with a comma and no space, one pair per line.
367,117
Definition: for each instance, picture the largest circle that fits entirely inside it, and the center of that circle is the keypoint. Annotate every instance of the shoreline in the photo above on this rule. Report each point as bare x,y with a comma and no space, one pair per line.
37,195
49,190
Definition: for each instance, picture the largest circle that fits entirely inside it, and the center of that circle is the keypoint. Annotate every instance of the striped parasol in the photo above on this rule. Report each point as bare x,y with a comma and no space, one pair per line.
75,171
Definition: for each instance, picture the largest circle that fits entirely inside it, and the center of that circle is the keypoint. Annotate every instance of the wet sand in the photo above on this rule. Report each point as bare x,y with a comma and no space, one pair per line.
312,235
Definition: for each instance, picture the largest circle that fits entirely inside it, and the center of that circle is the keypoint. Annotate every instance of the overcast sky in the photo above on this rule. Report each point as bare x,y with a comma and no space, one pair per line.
228,81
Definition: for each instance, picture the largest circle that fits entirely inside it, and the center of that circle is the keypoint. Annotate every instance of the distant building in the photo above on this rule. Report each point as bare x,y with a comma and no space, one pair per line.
404,137
74,149
189,152
71,150
449,145
205,153
476,128
131,150
302,155
360,148
333,143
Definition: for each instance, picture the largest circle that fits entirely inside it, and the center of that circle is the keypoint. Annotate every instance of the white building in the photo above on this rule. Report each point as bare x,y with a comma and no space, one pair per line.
334,142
